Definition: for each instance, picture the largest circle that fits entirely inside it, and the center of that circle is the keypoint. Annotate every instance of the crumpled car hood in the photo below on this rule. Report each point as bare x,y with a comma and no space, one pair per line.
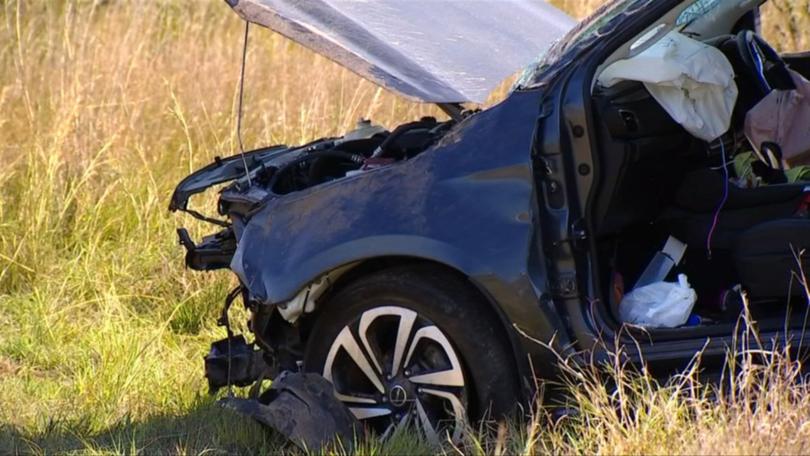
437,51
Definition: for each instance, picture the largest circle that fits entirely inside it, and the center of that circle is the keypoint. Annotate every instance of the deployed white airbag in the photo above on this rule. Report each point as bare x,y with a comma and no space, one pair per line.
692,81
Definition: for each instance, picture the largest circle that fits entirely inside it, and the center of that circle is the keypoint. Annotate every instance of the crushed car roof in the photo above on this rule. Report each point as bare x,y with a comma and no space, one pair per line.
438,51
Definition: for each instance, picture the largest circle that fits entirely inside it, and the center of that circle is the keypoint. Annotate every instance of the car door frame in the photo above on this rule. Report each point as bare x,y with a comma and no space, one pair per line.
590,322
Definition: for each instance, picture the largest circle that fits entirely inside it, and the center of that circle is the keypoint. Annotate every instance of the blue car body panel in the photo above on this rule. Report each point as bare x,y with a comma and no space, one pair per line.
468,203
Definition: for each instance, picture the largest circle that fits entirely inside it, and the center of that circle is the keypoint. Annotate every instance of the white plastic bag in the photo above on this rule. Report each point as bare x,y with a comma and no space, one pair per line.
659,305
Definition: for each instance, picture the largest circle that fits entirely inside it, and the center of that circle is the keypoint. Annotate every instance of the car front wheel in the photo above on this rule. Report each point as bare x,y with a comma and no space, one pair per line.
408,347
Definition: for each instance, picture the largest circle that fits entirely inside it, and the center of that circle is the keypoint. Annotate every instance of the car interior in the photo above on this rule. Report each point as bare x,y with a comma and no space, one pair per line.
659,181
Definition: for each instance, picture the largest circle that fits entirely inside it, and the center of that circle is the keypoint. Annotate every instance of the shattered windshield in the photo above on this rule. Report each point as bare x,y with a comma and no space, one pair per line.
588,28
595,25
695,11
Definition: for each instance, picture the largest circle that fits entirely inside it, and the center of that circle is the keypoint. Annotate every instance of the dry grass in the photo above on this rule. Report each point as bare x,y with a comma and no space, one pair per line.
760,406
577,8
104,106
785,23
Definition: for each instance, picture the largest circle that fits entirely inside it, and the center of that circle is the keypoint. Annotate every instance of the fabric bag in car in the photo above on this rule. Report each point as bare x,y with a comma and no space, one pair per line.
783,117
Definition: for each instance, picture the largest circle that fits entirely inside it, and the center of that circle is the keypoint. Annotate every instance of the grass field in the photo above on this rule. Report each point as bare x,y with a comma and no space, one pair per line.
104,106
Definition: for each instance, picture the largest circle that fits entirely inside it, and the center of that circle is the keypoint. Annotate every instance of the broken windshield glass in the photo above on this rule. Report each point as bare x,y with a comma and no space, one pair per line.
696,10
588,29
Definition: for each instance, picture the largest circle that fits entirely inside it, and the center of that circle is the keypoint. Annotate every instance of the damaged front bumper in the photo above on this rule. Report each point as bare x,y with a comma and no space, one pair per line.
300,406
236,200
304,409
214,252
232,361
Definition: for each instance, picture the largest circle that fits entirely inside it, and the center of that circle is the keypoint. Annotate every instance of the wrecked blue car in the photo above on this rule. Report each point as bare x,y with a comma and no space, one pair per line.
433,271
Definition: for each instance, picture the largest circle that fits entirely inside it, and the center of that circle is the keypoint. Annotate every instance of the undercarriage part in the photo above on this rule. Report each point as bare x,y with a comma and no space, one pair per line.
246,363
278,339
214,252
304,301
303,408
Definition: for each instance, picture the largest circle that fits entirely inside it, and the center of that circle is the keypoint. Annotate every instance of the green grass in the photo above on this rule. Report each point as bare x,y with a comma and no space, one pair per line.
104,107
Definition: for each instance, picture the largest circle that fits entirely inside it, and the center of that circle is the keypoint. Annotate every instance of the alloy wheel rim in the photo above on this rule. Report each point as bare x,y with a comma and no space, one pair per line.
394,368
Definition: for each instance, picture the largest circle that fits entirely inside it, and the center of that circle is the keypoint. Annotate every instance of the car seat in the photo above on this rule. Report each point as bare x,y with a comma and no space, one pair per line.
767,257
758,226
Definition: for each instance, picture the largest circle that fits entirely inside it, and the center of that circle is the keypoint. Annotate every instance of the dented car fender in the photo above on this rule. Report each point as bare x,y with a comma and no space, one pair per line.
468,203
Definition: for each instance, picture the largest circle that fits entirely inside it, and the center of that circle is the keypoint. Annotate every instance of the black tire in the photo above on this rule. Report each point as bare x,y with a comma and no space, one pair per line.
448,302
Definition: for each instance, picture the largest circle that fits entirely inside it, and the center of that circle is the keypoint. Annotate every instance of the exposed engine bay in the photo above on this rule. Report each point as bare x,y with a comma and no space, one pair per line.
279,170
363,149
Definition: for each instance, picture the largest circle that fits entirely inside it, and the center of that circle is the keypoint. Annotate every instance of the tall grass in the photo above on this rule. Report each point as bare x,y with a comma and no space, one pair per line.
104,106
761,405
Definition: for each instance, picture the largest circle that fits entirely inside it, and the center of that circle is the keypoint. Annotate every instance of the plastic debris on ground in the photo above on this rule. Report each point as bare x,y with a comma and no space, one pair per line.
303,408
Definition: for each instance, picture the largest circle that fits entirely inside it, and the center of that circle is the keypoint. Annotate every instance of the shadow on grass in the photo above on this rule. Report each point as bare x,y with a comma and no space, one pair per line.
207,428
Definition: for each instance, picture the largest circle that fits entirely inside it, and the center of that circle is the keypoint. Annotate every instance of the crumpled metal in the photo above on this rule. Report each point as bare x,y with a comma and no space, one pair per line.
303,408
